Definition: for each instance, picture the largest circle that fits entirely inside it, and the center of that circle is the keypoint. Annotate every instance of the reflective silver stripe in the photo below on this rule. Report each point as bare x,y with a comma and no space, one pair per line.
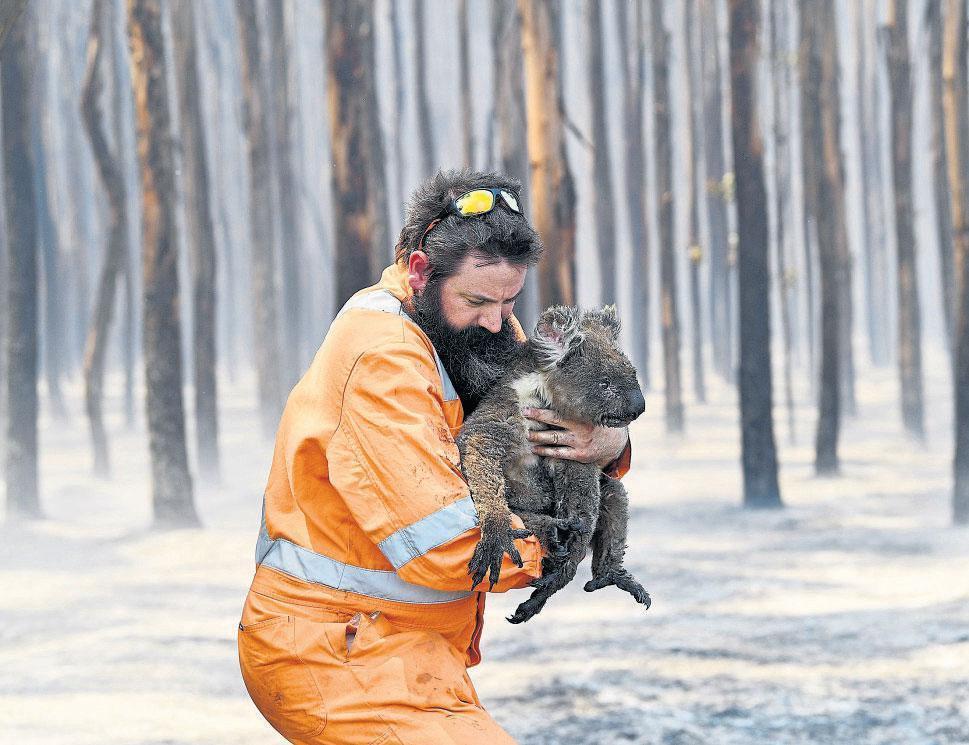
310,566
384,300
429,532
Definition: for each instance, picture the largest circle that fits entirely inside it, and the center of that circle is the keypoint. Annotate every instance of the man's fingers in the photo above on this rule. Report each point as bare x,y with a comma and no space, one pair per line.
551,437
543,415
553,452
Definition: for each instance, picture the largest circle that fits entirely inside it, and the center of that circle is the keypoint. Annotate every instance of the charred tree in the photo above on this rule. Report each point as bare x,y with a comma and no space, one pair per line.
263,248
112,179
399,100
20,212
633,71
551,188
717,193
757,427
601,161
172,484
940,186
467,119
824,191
349,49
9,13
511,126
424,124
669,310
781,86
694,249
909,312
290,244
201,236
956,103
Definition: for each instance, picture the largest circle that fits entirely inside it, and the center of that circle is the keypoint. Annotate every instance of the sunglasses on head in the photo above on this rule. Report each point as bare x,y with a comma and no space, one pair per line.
475,202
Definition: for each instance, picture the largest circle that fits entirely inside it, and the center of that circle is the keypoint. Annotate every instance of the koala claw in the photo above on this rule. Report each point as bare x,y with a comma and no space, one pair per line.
490,551
624,581
525,611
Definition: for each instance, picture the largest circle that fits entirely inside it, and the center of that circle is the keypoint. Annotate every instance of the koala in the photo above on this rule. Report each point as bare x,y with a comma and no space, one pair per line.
571,364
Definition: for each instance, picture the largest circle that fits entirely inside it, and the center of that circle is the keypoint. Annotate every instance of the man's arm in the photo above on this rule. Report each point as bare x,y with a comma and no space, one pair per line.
395,464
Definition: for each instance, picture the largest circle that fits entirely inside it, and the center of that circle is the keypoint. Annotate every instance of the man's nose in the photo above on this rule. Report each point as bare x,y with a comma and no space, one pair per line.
491,320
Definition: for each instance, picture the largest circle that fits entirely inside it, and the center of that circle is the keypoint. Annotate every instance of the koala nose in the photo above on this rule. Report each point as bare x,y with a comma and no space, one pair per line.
636,402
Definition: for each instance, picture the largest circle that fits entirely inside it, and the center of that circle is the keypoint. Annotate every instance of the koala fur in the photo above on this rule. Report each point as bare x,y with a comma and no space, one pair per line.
571,364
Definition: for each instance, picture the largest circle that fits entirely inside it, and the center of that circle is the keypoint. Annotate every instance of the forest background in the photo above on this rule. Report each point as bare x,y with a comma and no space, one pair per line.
772,192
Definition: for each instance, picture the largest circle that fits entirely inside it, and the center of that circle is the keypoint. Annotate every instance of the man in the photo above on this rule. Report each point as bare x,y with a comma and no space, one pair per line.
361,621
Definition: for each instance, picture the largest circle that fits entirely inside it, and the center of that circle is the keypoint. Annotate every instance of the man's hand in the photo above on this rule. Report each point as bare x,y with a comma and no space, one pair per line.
585,443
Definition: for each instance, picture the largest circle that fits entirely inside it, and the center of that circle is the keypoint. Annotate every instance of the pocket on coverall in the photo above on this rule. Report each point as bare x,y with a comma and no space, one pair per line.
279,683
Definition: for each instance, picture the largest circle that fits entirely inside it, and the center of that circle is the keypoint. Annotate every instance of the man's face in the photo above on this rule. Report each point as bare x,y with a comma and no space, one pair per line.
466,318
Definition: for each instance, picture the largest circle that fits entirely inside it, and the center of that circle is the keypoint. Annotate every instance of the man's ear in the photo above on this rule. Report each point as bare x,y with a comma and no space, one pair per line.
556,332
418,270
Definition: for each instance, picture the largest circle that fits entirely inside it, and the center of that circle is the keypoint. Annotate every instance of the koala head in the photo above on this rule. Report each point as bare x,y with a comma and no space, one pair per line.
586,375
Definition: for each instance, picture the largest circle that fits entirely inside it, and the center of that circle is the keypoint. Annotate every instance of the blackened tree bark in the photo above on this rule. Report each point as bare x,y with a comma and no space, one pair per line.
511,126
940,186
601,161
399,100
551,187
824,191
112,179
201,236
694,249
9,13
909,313
956,103
780,87
664,189
424,125
349,49
263,248
172,484
467,119
286,187
20,215
759,454
633,70
721,309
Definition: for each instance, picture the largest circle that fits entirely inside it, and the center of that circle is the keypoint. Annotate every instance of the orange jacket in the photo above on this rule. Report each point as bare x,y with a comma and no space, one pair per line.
366,508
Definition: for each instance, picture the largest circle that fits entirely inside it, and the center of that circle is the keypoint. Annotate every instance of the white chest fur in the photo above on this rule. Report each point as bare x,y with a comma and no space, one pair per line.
532,391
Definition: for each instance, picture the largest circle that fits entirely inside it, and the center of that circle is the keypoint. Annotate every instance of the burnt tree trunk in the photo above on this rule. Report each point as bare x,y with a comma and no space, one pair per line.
350,56
399,101
424,125
9,13
824,190
940,186
909,313
511,125
601,161
757,427
172,484
112,179
200,238
20,215
717,190
290,244
633,72
664,194
694,249
551,189
467,119
262,244
956,103
781,87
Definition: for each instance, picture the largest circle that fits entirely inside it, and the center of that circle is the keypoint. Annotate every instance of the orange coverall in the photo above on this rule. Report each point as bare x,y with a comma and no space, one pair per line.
360,622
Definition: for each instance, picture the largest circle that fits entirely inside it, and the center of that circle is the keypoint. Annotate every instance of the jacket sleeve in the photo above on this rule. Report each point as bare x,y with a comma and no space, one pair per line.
394,461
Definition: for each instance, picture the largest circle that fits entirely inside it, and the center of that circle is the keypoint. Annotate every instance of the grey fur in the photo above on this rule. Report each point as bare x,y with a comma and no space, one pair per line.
573,365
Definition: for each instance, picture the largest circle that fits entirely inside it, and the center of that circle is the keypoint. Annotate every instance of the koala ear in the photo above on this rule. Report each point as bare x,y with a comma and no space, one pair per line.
556,332
607,317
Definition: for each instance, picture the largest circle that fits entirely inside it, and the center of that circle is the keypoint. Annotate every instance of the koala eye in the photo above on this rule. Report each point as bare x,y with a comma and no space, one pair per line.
604,383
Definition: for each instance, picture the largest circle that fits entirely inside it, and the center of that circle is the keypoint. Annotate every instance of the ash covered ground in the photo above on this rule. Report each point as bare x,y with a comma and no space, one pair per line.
843,618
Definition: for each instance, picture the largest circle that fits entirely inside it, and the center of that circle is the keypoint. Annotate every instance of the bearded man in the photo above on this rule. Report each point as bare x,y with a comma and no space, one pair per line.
361,622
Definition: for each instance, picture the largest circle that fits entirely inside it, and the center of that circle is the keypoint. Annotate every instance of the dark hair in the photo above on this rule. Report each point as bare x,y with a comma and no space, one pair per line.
499,235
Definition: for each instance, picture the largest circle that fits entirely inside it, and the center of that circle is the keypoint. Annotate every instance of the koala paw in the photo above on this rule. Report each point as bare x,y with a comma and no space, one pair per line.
624,581
526,610
490,551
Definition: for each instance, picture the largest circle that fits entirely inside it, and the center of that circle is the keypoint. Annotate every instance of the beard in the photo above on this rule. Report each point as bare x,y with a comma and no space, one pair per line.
474,358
